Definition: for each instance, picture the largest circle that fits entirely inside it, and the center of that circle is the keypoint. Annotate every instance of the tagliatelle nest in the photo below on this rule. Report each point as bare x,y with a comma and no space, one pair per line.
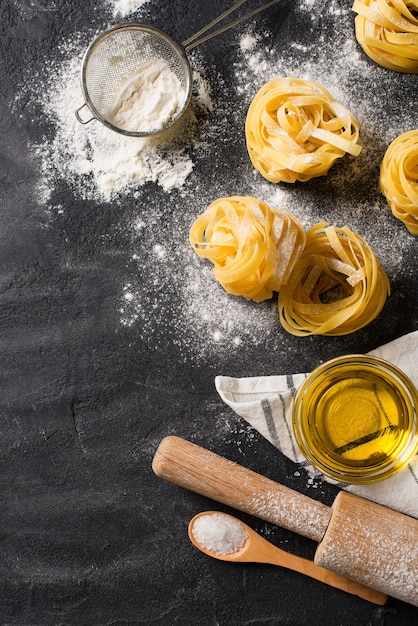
387,30
337,286
399,179
295,130
253,248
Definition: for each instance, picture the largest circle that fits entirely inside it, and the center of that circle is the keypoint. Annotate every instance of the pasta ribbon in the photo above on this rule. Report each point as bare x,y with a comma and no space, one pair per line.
387,30
399,179
296,131
337,285
253,248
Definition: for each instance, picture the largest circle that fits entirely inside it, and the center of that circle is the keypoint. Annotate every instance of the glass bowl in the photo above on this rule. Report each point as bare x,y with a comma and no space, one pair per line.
355,419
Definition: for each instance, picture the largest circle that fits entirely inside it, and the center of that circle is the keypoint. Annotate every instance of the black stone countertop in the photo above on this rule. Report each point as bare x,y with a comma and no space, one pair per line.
112,330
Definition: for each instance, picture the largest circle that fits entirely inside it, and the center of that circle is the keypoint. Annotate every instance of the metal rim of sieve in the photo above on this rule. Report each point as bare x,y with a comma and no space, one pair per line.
180,63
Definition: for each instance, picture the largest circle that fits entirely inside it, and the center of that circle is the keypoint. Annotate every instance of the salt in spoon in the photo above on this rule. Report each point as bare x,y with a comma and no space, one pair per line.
227,532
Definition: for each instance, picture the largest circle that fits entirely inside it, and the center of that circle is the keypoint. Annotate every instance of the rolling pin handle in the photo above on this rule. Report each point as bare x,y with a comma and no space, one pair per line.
359,539
197,469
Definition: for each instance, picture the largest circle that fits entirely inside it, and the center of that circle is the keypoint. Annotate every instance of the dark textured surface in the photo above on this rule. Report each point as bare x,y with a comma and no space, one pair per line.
88,535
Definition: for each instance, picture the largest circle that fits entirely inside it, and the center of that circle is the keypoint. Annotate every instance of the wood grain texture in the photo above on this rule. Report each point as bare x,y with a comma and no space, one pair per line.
365,542
373,545
89,535
195,468
257,549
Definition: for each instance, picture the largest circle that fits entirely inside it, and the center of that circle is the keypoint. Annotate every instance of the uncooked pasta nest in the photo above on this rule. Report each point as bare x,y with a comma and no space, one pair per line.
399,179
387,30
253,248
295,130
337,286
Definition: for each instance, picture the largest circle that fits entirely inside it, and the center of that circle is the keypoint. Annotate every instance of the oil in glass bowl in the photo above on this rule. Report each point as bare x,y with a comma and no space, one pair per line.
355,419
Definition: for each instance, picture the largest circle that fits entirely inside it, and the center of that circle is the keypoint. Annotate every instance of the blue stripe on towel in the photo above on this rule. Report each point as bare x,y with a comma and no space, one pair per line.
268,414
414,476
292,389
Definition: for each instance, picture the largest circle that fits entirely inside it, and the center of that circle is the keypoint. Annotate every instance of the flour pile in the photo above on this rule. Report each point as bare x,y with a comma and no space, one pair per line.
167,294
205,321
149,98
99,163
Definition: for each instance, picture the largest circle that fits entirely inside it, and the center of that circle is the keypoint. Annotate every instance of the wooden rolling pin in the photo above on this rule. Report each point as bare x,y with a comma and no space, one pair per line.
358,539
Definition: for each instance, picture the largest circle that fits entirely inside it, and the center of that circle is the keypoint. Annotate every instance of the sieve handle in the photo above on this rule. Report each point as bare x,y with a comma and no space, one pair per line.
194,40
80,118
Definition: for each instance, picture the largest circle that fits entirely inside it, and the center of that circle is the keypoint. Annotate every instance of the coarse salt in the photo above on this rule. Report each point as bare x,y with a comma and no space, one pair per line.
219,533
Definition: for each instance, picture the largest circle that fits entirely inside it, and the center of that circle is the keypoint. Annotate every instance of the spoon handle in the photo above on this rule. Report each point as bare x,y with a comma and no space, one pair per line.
268,553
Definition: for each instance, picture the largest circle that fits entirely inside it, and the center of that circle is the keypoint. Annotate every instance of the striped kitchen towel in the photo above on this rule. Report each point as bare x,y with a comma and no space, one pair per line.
265,402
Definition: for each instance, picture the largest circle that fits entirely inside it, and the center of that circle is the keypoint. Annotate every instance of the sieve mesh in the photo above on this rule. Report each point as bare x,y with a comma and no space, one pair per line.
120,52
123,50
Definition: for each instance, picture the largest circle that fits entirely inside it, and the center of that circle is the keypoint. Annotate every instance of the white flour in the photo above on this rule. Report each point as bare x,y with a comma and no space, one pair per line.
208,321
170,295
122,8
99,163
149,99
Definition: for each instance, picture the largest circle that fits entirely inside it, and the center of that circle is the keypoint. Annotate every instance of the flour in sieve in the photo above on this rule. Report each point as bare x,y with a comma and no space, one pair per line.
203,321
168,293
149,98
98,163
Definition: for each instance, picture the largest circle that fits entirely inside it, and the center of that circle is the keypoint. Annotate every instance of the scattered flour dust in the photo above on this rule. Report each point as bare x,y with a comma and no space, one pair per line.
149,98
99,163
122,8
182,298
204,319
170,289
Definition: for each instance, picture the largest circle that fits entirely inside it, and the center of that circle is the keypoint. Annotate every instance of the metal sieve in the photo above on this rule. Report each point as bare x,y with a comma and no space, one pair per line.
123,50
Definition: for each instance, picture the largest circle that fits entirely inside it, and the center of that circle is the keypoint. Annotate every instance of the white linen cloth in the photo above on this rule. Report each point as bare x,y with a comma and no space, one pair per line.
265,402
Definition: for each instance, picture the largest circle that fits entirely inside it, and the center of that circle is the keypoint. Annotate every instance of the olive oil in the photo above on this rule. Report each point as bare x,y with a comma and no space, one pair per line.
355,419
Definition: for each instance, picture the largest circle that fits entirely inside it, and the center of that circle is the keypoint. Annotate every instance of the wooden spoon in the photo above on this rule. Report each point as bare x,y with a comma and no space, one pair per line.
256,549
